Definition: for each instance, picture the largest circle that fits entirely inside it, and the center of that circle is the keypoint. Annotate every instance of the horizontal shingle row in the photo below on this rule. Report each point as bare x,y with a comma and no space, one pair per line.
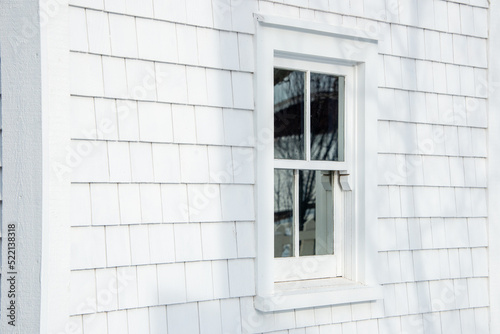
110,246
431,233
115,35
111,204
432,45
141,286
467,18
110,119
217,315
161,163
427,170
435,296
419,107
425,265
235,15
101,76
422,202
467,320
431,139
433,77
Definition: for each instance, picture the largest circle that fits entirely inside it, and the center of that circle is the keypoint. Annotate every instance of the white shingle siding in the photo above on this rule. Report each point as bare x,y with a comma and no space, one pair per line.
163,180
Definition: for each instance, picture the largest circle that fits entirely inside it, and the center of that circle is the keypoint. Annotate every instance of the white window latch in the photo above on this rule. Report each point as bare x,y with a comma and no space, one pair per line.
345,182
326,181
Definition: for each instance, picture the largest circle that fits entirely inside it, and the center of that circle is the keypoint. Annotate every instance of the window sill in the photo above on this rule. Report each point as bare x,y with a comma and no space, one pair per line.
316,293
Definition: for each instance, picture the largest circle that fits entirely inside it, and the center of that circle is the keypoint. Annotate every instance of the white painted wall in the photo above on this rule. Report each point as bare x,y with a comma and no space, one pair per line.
22,173
162,218
35,123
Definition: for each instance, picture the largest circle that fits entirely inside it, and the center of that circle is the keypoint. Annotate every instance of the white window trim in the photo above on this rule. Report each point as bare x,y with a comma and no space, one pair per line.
494,166
274,36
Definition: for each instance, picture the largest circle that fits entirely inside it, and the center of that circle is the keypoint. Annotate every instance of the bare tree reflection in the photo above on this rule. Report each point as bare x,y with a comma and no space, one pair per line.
289,114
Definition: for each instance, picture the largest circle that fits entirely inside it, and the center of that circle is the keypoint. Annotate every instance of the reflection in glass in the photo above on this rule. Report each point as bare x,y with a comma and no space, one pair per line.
283,212
325,118
315,214
288,114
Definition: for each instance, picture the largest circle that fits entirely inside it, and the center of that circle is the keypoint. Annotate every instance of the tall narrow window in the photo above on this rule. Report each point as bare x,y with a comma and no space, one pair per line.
309,144
316,188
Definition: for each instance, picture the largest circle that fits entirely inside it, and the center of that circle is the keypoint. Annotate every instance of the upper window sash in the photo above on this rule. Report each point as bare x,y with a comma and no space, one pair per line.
345,134
308,115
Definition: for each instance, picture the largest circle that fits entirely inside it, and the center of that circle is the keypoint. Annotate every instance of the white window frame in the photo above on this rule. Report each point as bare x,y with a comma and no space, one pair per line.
494,167
320,266
276,37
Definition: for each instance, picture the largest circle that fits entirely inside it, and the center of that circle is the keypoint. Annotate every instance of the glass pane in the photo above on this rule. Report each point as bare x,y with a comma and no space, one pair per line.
326,136
288,114
315,214
283,212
